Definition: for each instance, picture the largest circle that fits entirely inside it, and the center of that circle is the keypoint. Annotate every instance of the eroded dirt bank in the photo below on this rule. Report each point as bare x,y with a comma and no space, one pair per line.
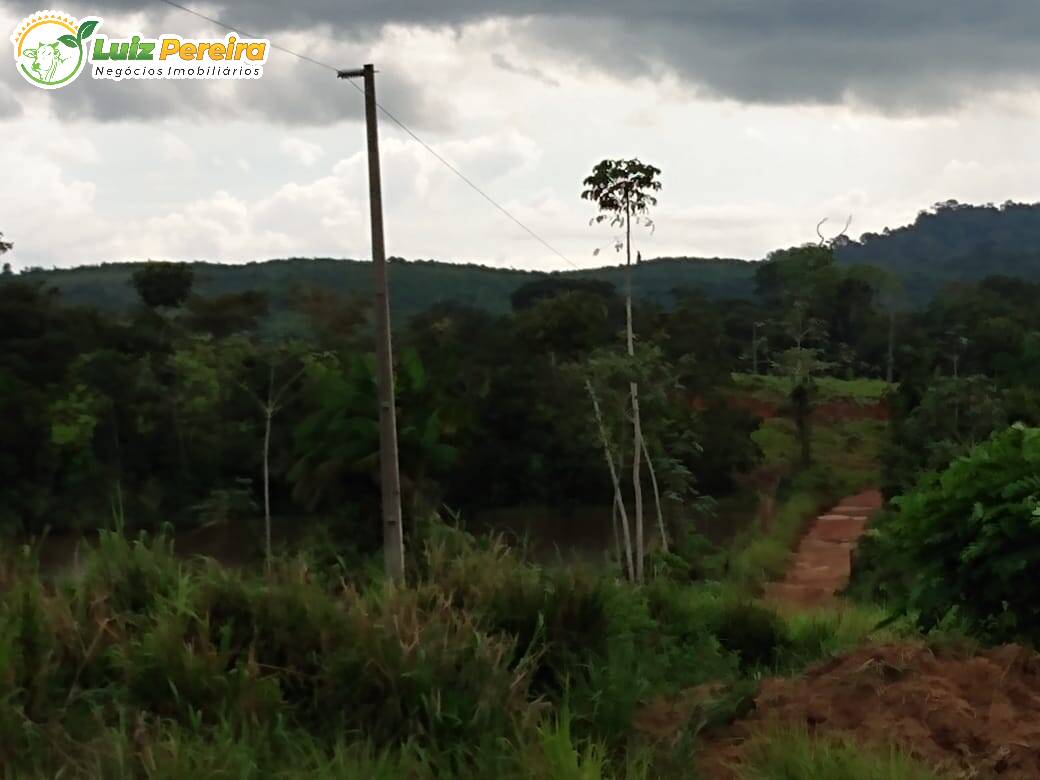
970,716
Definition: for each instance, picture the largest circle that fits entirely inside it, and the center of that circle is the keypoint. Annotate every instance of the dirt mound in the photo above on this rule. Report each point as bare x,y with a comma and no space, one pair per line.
973,716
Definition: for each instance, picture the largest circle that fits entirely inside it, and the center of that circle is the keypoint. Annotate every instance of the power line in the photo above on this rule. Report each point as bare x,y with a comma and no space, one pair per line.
469,182
232,28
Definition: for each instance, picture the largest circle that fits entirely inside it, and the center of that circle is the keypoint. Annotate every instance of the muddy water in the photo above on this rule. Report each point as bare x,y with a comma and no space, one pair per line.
548,534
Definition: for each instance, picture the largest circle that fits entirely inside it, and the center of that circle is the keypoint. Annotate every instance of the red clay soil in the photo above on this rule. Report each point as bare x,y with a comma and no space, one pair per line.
830,411
821,565
970,717
965,716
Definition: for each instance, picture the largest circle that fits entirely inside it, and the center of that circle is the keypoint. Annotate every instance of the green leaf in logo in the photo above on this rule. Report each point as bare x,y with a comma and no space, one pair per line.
86,29
69,41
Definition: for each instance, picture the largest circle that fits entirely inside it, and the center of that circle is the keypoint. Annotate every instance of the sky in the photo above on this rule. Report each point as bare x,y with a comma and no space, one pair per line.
764,116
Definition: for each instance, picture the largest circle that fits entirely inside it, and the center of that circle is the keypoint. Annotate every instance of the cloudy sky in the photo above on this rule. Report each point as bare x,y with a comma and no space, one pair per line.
764,115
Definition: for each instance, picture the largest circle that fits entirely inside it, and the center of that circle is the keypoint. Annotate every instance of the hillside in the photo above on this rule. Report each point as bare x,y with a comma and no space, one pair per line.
954,242
414,285
950,242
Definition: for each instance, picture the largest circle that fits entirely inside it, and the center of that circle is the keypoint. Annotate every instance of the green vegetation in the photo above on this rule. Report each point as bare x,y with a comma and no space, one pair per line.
848,462
145,665
954,242
761,557
194,400
950,243
784,754
847,453
962,544
773,388
416,285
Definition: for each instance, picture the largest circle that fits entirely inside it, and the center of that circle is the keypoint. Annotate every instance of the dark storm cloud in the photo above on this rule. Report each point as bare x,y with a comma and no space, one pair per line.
292,91
912,56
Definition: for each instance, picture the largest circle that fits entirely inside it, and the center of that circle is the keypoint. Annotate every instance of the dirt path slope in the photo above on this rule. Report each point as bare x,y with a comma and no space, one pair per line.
967,716
822,563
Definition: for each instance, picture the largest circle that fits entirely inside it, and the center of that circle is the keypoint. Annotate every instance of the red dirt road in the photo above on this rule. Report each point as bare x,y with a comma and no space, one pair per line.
822,563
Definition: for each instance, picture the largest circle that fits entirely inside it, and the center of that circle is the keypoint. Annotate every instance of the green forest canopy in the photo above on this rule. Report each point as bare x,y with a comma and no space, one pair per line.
951,242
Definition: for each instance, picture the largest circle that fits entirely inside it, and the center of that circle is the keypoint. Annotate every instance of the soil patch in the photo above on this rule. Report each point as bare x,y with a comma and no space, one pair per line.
822,564
826,411
974,717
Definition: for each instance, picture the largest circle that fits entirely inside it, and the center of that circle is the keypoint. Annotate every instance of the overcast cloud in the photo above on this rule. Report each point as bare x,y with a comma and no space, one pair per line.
765,116
914,57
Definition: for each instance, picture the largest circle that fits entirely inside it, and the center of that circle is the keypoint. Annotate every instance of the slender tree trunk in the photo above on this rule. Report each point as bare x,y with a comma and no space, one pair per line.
657,497
120,513
619,503
269,410
267,487
637,430
890,371
617,532
754,349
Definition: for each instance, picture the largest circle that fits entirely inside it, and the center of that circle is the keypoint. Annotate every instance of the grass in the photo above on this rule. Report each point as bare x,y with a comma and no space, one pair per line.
830,631
760,557
785,754
845,455
150,665
767,387
146,665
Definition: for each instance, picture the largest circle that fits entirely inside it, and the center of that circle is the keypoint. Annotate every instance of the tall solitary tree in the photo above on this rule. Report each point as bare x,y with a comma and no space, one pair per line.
623,190
282,368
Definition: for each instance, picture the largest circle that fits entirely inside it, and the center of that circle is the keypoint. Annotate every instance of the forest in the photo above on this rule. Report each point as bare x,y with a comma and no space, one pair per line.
601,474
948,243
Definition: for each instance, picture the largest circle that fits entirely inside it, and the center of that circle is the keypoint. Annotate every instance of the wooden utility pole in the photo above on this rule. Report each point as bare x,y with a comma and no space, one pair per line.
390,475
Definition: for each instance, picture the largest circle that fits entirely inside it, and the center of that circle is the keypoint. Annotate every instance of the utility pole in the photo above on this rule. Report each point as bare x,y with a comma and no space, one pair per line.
390,475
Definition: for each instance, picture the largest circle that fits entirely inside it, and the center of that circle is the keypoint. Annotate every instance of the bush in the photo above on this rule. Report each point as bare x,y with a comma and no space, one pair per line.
968,538
200,648
131,575
756,634
561,618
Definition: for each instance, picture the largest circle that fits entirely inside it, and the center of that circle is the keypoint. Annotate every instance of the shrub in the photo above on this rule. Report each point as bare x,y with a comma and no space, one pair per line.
756,634
968,537
130,575
560,618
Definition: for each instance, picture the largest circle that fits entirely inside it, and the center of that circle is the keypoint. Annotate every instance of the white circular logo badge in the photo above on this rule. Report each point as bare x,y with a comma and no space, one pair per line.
51,48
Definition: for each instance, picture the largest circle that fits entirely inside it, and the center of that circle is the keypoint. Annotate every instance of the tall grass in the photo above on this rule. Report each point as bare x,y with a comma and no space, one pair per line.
829,631
763,555
144,665
786,754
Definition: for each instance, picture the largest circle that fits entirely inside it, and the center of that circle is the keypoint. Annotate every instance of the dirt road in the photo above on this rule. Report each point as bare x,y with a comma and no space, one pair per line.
821,565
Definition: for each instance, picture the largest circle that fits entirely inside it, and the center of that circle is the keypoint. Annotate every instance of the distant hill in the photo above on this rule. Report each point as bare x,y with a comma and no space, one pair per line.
954,242
415,285
950,242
